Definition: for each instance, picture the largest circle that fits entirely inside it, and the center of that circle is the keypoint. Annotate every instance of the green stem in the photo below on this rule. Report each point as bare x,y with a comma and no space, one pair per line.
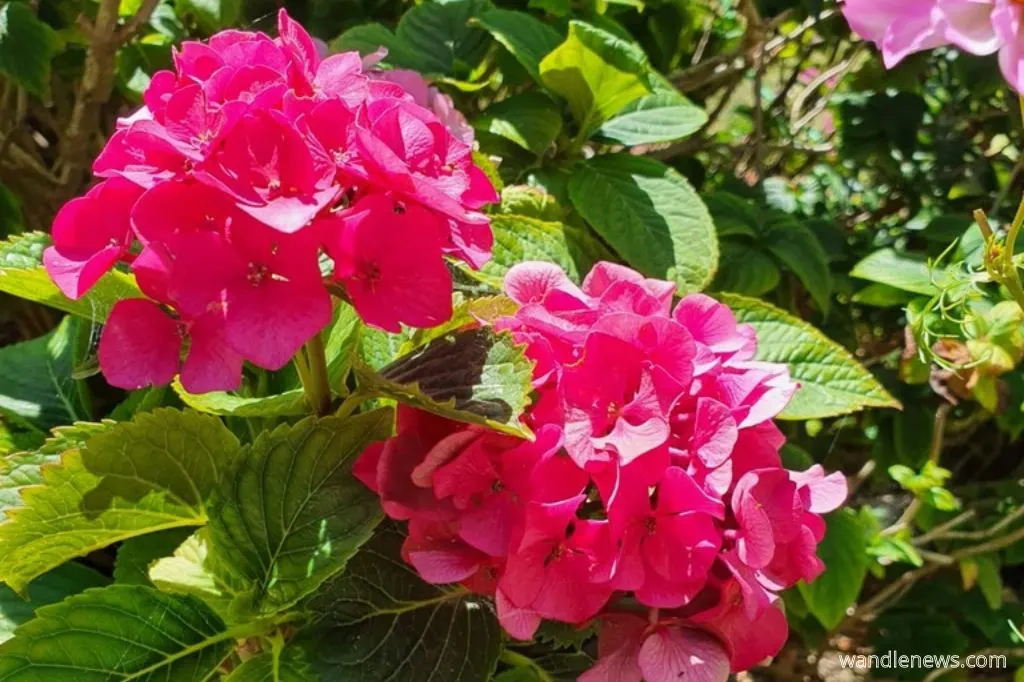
517,660
349,405
316,383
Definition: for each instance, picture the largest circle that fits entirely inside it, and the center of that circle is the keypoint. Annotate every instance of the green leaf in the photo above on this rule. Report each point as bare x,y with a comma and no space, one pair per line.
287,665
23,469
186,572
518,238
136,555
990,581
139,477
527,38
27,46
49,588
474,376
381,621
22,274
530,120
795,245
745,270
289,403
649,214
597,73
832,382
658,117
211,15
367,39
432,37
733,215
35,379
899,270
532,202
882,296
843,551
292,515
120,632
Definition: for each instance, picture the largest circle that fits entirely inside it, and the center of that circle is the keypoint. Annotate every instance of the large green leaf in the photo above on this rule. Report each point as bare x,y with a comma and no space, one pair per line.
795,245
899,270
293,514
832,382
527,38
597,73
745,270
49,588
36,385
432,37
649,214
475,376
844,553
139,477
120,632
658,117
22,469
381,621
22,274
519,238
531,120
27,46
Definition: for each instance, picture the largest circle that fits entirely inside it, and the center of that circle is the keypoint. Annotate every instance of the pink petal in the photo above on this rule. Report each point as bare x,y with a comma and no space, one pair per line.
210,365
140,345
671,654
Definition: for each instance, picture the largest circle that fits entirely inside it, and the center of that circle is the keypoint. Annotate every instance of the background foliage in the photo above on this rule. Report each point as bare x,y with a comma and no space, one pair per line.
740,146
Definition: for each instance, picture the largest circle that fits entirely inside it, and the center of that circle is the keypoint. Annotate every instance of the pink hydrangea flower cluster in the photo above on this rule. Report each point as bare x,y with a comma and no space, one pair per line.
981,27
248,163
654,476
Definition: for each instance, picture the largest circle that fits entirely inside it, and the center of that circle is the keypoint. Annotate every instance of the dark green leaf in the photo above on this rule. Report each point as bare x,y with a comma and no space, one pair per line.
211,15
791,242
381,621
136,555
530,120
35,379
475,376
844,553
524,36
49,588
287,665
745,270
27,46
292,514
649,214
121,632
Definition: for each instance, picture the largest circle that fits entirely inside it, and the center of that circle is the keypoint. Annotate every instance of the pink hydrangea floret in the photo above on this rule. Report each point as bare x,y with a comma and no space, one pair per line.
654,482
982,27
257,174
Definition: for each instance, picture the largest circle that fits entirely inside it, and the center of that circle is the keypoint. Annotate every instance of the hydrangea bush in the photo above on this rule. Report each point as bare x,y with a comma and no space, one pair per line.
379,415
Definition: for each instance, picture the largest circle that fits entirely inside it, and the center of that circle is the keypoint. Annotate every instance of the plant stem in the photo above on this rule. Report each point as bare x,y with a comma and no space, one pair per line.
517,660
316,383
